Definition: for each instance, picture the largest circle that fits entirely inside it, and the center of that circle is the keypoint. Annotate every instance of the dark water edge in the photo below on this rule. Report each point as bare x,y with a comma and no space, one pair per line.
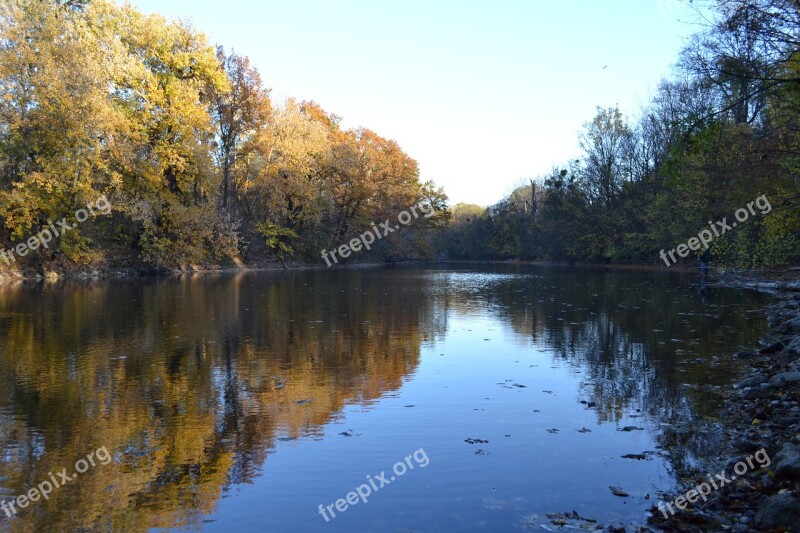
120,272
761,419
502,292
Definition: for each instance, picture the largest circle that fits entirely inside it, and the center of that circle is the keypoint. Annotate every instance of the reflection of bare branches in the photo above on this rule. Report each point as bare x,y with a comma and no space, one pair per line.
617,330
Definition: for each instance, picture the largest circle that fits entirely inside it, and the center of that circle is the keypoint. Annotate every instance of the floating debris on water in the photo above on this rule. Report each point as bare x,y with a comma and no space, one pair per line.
616,491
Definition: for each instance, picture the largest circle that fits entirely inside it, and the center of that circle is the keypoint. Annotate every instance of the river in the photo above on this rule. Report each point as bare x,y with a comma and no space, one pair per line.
256,401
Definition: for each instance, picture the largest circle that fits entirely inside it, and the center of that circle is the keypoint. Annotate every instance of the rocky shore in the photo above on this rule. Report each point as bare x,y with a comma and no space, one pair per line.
761,412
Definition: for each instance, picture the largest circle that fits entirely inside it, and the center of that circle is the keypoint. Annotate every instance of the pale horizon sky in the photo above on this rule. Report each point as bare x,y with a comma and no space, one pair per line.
482,94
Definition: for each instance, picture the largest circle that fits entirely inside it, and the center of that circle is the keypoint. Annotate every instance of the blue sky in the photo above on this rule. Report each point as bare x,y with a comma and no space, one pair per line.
482,93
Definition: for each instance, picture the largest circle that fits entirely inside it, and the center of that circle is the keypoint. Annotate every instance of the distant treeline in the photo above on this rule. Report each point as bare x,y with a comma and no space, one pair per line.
722,132
182,138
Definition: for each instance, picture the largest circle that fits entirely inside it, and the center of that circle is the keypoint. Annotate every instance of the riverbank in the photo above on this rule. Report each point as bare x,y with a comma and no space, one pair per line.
135,269
761,412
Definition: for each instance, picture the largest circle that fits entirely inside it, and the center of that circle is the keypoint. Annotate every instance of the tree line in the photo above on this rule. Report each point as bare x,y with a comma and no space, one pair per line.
203,168
200,165
722,131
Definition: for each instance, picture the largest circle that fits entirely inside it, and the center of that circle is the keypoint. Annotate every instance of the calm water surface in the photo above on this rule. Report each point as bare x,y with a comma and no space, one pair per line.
241,402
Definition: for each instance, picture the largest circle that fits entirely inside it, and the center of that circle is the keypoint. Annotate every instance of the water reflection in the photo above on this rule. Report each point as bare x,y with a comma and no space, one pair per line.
195,383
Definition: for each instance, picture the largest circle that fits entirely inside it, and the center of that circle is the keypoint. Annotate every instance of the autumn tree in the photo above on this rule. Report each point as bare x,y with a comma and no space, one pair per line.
240,114
97,98
605,142
57,123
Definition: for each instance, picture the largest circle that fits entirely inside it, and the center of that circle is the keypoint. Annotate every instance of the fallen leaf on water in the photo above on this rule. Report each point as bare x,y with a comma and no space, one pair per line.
616,491
638,456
